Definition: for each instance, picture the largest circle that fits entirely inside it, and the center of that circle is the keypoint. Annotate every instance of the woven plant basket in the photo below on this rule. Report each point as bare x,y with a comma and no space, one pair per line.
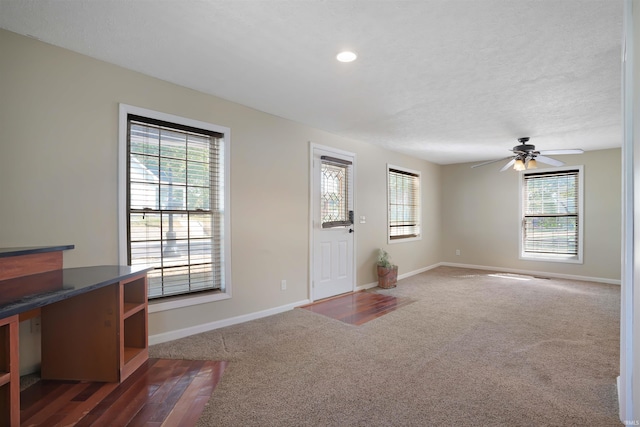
387,277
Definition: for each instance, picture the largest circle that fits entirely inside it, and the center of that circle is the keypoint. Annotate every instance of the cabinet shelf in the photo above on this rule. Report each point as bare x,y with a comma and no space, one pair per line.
130,353
5,378
131,308
133,325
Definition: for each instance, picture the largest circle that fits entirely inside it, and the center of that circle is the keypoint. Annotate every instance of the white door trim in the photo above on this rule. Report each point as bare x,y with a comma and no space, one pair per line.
628,383
312,147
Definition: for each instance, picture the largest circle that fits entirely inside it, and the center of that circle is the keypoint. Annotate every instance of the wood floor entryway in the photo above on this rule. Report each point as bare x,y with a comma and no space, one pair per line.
357,308
162,392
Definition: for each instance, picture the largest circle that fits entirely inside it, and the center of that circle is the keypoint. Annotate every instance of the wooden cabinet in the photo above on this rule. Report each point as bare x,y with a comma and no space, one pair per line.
9,372
97,336
94,320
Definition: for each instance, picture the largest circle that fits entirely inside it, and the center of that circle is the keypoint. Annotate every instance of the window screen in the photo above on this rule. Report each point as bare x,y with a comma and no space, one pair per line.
550,223
404,204
175,206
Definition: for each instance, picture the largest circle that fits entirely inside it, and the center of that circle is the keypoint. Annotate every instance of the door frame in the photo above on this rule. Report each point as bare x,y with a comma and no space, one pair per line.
312,147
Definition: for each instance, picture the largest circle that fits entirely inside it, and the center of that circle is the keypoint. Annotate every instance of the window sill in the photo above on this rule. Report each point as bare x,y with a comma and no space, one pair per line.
186,301
567,259
406,239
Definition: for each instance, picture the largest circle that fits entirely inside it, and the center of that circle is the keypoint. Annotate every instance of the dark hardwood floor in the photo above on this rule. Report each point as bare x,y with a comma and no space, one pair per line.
357,308
163,392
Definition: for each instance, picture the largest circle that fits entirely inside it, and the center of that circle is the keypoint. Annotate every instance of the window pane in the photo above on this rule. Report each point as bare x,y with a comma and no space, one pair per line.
144,227
144,139
144,168
198,174
552,235
175,280
173,144
198,149
173,171
172,197
144,196
198,198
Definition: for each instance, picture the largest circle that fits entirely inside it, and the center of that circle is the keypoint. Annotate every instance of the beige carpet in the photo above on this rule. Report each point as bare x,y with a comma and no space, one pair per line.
472,350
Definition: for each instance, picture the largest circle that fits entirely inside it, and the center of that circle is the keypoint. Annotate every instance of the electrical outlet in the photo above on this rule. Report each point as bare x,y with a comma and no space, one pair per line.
457,252
283,285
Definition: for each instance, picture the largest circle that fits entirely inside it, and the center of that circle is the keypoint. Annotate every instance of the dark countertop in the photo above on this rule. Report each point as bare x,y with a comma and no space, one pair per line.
9,252
28,292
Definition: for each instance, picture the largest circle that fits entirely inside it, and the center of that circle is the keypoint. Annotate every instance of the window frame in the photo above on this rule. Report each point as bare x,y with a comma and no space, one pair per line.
185,300
418,213
561,258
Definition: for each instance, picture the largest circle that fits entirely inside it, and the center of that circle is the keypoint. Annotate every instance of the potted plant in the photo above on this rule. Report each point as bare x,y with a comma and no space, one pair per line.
387,271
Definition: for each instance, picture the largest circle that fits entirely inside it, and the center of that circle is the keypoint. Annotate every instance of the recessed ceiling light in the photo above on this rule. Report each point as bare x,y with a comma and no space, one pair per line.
346,56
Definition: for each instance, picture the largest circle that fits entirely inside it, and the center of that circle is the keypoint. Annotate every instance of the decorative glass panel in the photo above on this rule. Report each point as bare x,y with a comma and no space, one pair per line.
334,187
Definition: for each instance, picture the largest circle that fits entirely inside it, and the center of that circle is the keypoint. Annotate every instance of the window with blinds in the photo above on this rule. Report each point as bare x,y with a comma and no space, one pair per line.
551,213
404,203
175,205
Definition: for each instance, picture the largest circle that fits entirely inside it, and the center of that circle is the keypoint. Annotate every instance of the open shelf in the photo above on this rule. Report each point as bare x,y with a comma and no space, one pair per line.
5,378
130,353
135,291
134,331
130,309
134,328
5,406
9,372
5,342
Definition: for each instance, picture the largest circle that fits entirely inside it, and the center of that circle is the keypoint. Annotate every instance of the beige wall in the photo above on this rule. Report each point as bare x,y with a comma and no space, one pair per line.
480,212
58,169
58,175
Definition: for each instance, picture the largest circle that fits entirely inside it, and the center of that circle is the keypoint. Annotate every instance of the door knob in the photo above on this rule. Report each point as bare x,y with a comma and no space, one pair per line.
351,230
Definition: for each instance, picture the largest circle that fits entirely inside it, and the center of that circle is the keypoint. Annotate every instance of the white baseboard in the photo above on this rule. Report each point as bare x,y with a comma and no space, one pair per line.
620,408
400,277
366,286
181,333
420,270
534,273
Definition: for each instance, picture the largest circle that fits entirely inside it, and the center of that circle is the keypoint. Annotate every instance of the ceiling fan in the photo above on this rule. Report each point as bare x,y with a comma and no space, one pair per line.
526,156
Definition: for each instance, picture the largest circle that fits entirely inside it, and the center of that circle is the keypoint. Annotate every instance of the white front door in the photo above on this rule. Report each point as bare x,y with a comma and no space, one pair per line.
332,207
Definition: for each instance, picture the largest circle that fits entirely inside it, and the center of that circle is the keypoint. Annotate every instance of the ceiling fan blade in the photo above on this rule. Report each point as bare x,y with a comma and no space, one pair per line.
549,161
563,151
490,161
508,165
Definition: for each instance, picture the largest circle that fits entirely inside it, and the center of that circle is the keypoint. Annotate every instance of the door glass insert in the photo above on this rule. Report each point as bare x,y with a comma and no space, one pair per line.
334,193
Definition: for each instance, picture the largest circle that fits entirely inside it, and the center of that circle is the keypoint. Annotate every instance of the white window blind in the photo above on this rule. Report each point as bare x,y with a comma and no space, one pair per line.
551,213
404,204
175,206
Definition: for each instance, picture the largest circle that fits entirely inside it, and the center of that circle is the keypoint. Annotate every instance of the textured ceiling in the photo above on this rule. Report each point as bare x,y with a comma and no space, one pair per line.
448,81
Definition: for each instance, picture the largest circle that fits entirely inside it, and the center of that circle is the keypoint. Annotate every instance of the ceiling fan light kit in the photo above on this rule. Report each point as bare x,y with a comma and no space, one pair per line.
525,156
532,164
519,165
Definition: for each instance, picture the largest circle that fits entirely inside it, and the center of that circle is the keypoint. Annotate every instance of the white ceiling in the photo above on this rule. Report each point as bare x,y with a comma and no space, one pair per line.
449,81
